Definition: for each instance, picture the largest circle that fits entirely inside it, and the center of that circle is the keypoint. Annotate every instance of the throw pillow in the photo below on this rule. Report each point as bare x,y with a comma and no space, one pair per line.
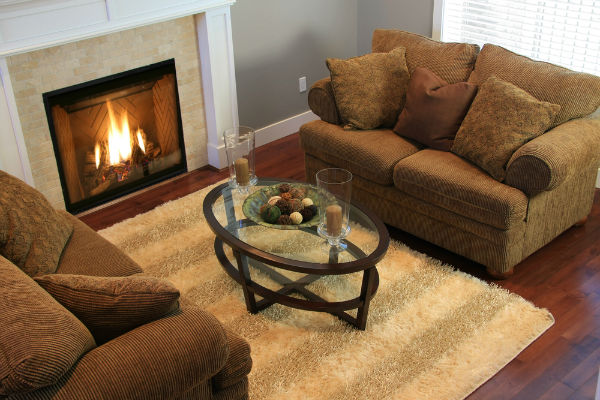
577,93
501,119
453,62
434,109
39,339
32,234
111,306
369,90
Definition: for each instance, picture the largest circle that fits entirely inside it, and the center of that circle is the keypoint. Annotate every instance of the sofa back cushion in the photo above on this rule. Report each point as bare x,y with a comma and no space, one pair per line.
501,119
32,233
453,62
434,109
39,339
370,90
111,306
577,94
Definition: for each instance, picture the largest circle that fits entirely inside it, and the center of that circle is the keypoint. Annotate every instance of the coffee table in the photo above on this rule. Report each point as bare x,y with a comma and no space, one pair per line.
292,260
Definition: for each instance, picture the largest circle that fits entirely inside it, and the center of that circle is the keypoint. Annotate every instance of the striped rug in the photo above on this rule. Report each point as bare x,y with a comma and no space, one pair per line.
432,332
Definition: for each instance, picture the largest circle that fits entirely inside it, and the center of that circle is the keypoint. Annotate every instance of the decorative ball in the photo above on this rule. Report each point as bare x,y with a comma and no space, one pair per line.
296,205
313,208
263,207
270,214
284,206
307,202
296,218
284,220
307,214
284,188
273,200
297,193
286,196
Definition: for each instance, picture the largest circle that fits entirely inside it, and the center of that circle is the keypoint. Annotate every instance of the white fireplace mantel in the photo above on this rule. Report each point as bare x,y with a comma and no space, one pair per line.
28,25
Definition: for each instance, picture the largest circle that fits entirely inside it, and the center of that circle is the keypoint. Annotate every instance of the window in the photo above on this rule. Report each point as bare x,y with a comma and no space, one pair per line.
563,32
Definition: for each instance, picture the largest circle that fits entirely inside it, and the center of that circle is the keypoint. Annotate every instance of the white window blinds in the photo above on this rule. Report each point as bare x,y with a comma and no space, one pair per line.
563,32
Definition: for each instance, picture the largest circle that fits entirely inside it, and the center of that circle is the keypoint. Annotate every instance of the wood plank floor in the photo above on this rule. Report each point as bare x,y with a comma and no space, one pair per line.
563,277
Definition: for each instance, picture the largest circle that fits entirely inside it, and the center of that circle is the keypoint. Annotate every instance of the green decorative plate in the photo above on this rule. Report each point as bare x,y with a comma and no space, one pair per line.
256,200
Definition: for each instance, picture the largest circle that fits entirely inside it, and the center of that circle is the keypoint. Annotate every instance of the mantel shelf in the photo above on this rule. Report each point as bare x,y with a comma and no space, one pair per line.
27,25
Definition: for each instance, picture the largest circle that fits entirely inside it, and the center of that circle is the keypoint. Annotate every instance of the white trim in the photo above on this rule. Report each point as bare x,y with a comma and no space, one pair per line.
14,152
438,18
598,179
271,133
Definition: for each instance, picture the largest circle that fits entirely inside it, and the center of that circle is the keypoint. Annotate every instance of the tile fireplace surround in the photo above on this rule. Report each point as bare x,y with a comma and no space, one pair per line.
53,44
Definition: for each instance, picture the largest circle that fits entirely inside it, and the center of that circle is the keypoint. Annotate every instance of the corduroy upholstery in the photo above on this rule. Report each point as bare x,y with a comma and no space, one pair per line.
448,201
185,354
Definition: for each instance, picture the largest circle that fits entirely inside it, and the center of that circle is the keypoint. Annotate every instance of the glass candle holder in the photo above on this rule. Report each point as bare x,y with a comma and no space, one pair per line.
335,192
239,145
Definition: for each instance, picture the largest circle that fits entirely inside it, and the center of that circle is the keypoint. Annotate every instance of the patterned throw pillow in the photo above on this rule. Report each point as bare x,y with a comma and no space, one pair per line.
40,340
434,109
501,119
32,234
370,90
111,306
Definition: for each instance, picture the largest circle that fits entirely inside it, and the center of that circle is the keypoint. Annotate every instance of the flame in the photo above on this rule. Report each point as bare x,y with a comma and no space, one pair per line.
141,141
97,152
119,140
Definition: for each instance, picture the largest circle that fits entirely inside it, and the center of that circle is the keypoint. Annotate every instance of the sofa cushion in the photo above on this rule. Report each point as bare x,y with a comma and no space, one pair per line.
501,119
32,234
578,94
88,253
371,154
447,181
111,306
453,62
434,109
369,90
39,339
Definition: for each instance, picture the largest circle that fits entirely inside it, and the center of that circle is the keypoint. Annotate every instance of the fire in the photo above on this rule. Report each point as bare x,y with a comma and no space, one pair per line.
119,139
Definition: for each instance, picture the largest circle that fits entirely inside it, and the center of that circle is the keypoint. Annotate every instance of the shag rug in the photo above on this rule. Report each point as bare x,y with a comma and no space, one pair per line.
432,332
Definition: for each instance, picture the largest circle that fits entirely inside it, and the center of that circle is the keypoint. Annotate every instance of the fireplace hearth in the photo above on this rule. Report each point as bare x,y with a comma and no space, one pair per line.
116,134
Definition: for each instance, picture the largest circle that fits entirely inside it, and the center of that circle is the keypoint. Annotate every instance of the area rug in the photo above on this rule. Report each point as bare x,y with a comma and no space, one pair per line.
432,333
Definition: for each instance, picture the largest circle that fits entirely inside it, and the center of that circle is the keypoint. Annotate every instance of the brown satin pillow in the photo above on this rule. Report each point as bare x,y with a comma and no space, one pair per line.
501,119
370,90
32,233
434,109
111,306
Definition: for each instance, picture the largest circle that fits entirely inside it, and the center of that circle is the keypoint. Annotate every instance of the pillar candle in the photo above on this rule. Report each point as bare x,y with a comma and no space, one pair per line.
241,171
334,220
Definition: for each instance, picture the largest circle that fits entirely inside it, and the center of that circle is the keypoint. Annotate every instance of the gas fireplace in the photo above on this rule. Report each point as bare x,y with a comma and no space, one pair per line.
116,134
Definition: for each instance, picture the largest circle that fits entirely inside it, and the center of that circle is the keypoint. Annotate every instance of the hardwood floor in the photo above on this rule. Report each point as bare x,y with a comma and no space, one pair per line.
563,277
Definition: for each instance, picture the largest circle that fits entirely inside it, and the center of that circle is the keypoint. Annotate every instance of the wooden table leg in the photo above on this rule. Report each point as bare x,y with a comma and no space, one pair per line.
242,264
365,297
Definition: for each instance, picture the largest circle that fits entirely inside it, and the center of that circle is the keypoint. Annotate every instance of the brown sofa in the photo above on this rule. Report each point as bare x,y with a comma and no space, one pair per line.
184,354
445,199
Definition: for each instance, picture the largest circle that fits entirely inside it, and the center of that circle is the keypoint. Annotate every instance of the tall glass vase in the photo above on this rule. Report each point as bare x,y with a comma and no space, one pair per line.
239,145
335,192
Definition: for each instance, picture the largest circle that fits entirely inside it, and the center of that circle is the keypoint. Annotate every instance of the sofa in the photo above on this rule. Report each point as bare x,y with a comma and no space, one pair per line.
81,321
545,186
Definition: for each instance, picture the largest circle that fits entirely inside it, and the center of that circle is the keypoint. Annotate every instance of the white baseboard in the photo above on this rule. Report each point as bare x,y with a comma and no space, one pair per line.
283,128
598,179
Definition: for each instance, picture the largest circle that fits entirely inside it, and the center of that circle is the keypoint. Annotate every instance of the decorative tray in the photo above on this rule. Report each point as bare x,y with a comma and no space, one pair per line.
253,203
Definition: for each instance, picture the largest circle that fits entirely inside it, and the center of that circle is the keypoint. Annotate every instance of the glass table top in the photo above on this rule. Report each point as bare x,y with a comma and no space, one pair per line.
302,244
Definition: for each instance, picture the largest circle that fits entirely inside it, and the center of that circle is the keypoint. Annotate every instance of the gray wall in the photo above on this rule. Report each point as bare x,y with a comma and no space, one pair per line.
276,42
408,15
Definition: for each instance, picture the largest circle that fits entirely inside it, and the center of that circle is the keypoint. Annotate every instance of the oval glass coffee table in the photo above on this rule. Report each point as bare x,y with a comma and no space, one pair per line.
283,266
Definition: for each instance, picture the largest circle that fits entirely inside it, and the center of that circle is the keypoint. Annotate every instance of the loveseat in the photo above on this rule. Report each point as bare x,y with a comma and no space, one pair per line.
544,187
80,321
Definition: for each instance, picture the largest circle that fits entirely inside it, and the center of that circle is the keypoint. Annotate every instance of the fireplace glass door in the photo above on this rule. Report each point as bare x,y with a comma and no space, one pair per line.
116,134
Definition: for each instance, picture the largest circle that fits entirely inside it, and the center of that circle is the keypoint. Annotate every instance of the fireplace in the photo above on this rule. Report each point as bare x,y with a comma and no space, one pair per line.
116,134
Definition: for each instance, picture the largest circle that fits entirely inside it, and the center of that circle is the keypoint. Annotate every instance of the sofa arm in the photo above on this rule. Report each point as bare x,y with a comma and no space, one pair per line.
546,161
159,360
322,102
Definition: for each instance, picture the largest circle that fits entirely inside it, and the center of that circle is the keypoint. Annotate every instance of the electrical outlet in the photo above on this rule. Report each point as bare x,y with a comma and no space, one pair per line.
302,84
